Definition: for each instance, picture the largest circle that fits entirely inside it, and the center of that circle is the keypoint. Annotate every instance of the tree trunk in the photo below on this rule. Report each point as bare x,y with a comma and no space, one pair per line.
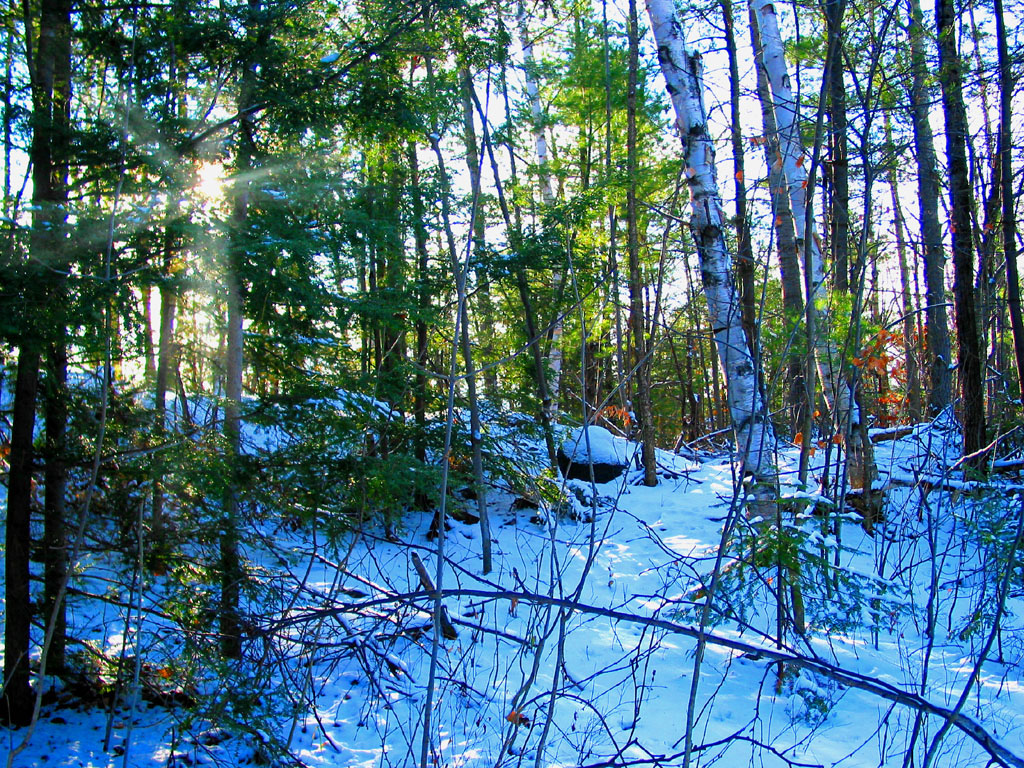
1009,222
755,438
49,70
910,347
8,205
744,247
230,561
477,222
17,691
485,306
637,316
164,363
55,560
839,212
937,330
547,197
419,232
961,208
785,237
837,391
148,347
462,323
55,549
514,225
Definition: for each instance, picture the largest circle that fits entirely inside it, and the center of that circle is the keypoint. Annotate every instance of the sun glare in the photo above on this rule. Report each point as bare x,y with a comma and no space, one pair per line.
210,181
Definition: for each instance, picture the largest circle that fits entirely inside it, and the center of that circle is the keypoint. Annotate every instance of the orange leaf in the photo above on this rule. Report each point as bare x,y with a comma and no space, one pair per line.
798,438
739,176
837,439
517,718
800,161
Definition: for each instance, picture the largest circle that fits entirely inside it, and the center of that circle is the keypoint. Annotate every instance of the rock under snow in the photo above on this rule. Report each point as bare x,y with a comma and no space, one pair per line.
592,445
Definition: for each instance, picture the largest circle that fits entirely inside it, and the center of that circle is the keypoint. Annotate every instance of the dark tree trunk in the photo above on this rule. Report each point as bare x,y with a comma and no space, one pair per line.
419,232
937,331
55,557
231,575
744,248
522,285
1009,228
148,350
18,698
962,205
839,213
637,319
911,349
164,363
49,70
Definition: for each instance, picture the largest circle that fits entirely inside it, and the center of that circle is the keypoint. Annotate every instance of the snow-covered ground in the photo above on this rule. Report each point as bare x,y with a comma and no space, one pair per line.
580,647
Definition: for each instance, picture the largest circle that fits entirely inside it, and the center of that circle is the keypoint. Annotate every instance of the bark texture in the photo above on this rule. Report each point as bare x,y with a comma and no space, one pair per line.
231,568
937,332
797,395
962,207
637,316
837,392
683,77
547,197
1009,220
49,69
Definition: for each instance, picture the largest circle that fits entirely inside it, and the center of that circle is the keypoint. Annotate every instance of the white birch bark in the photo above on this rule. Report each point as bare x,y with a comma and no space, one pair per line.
682,69
792,161
546,193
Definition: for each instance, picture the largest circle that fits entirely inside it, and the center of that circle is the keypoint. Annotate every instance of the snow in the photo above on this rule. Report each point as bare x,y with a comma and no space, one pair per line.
578,649
603,447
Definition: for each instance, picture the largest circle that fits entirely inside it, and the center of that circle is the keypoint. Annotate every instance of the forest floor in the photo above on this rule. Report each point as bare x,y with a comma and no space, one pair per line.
579,647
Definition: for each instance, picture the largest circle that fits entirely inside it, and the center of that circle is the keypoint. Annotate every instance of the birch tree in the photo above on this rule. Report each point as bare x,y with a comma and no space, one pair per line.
839,394
755,437
792,160
799,394
547,195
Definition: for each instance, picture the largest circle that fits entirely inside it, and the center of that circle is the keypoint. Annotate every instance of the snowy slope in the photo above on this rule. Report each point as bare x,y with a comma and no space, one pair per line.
579,649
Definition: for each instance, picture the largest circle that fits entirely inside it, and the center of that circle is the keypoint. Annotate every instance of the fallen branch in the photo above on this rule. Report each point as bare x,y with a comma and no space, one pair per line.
969,727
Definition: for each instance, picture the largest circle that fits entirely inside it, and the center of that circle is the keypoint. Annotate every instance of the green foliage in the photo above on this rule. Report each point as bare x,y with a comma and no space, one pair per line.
990,523
835,599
